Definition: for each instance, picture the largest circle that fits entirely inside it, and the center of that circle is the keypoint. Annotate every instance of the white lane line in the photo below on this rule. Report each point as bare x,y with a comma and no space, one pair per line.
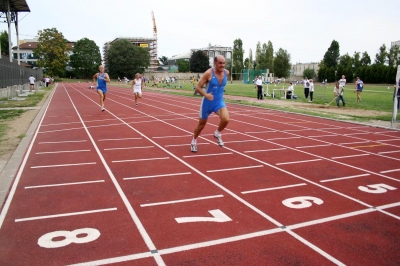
342,178
205,155
106,125
272,188
286,138
303,147
90,121
257,132
164,137
249,140
384,132
152,176
56,142
63,215
117,139
225,133
139,160
232,169
349,156
46,152
180,201
357,133
305,161
61,124
278,149
388,171
66,184
321,136
128,148
61,165
358,142
52,116
383,152
59,130
388,140
187,144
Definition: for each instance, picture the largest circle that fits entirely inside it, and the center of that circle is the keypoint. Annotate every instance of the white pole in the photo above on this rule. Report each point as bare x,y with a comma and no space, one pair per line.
9,32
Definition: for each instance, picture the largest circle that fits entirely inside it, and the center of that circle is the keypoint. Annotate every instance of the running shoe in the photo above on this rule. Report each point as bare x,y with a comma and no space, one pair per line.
137,105
193,147
102,108
219,140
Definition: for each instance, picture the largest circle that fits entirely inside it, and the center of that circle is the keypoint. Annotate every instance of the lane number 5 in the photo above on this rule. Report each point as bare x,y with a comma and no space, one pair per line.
376,188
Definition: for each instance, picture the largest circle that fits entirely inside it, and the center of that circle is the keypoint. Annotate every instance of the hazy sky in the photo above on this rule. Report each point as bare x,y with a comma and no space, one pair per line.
304,28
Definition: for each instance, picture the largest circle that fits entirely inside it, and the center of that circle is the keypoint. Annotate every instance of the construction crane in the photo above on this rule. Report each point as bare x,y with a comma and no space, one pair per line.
154,53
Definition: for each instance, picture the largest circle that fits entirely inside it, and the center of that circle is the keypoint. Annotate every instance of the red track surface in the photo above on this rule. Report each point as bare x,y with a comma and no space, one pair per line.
121,187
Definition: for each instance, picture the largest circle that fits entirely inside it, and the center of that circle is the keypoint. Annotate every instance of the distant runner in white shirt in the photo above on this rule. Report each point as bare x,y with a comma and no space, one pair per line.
137,88
259,88
342,81
31,82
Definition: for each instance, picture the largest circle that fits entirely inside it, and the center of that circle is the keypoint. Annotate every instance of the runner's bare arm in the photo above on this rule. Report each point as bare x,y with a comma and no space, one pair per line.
107,79
95,77
204,79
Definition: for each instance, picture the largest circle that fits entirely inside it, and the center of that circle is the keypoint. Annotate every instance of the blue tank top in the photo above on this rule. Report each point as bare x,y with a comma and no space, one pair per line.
216,88
101,83
359,85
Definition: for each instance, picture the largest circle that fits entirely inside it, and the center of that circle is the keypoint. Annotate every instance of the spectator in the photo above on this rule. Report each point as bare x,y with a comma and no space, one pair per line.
290,91
358,88
339,94
259,88
46,80
31,82
311,89
306,84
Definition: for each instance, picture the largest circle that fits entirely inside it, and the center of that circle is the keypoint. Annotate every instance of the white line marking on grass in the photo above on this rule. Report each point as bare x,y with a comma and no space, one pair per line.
273,188
278,149
66,184
45,152
236,168
152,176
139,160
56,142
128,148
388,171
63,215
303,147
180,201
383,152
349,156
286,138
163,137
211,154
342,178
305,161
177,145
61,165
117,139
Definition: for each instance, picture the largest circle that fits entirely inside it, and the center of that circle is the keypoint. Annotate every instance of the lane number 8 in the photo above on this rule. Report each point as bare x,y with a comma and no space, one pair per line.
59,239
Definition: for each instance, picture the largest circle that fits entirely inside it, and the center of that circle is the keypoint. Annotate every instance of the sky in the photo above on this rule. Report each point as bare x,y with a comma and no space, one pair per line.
304,28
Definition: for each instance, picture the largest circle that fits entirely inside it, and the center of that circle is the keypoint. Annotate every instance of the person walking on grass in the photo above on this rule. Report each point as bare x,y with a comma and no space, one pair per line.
358,88
306,84
259,88
216,79
311,90
102,79
137,88
31,82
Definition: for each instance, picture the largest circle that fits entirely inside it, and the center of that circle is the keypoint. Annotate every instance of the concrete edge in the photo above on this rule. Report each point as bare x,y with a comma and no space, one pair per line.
7,176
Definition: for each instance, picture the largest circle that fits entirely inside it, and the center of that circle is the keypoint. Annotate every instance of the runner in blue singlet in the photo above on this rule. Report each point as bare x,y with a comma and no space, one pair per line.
102,79
212,101
359,88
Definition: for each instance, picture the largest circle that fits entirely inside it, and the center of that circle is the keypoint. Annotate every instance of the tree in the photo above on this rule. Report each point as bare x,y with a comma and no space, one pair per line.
237,57
183,65
365,59
163,60
51,51
380,57
356,60
331,56
309,73
250,66
86,58
282,63
125,59
4,43
199,62
269,55
246,62
345,63
260,58
393,56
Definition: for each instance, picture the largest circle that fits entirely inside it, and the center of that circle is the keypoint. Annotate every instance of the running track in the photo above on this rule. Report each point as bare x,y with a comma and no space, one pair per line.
121,187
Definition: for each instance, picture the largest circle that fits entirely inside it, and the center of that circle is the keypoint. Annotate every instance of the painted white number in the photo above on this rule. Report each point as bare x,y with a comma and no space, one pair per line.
68,237
376,188
219,217
301,202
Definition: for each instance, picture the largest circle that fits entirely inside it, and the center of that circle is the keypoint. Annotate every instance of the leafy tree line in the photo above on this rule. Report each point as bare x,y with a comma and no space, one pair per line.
383,70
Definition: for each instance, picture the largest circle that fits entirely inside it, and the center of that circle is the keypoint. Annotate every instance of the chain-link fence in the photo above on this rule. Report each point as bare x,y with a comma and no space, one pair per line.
13,74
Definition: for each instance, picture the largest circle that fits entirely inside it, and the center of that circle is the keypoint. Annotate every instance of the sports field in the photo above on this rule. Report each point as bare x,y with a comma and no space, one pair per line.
121,187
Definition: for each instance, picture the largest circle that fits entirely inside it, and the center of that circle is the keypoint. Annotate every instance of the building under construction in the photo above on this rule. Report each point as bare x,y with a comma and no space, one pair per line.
149,43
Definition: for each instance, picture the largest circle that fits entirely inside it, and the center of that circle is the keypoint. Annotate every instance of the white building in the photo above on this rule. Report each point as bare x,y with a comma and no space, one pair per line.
299,68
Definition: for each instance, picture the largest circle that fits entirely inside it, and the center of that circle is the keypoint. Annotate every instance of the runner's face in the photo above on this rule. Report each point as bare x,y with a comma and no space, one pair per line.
220,65
101,68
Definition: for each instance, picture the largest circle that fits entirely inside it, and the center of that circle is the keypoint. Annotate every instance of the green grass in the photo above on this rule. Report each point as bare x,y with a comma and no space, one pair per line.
31,100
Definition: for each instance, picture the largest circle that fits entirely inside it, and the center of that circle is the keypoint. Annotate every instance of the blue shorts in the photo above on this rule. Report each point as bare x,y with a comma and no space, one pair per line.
207,107
104,90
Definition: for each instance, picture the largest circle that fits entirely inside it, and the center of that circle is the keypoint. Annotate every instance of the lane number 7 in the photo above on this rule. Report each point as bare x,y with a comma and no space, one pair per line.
218,217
